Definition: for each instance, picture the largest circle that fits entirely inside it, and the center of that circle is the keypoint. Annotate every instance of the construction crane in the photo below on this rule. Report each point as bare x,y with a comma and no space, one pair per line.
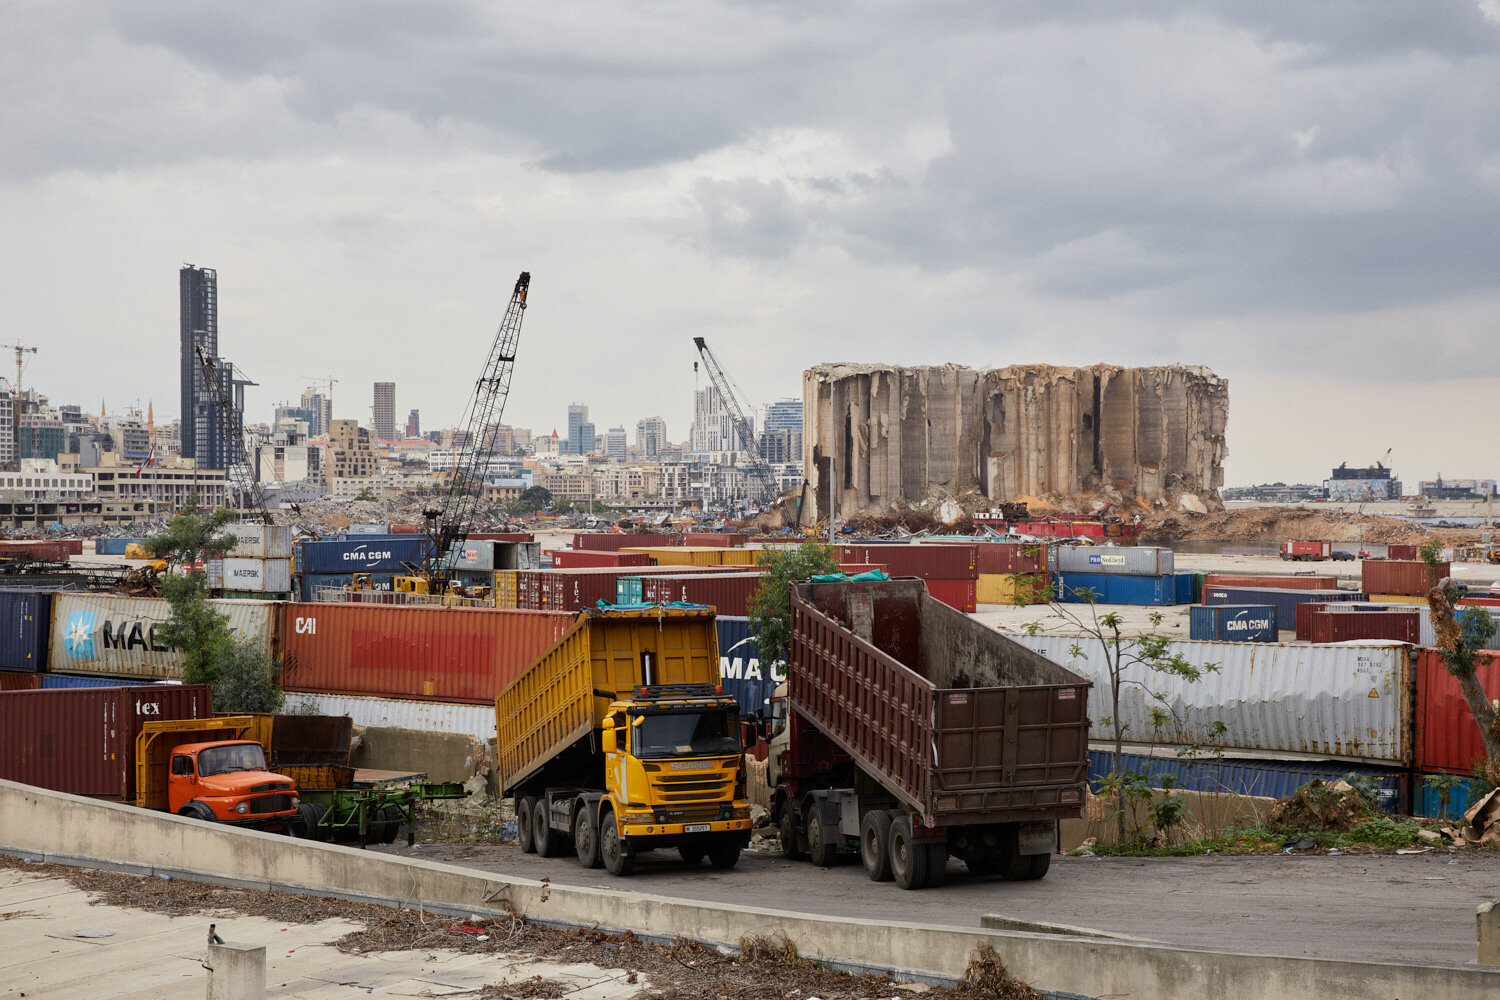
448,525
759,472
234,441
21,350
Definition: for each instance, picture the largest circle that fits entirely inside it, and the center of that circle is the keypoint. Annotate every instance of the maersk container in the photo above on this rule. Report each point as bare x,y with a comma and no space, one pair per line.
252,576
25,621
1233,623
1349,702
1132,560
372,554
118,636
477,721
1271,778
1110,588
260,541
417,652
741,671
1286,601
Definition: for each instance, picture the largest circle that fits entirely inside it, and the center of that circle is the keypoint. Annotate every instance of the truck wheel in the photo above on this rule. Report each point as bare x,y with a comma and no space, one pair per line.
586,838
547,840
786,825
618,857
937,863
391,819
524,808
309,814
875,844
692,855
1037,865
197,810
908,860
725,855
821,854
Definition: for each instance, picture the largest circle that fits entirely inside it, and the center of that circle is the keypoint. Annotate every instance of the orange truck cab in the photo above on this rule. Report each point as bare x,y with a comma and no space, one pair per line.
226,781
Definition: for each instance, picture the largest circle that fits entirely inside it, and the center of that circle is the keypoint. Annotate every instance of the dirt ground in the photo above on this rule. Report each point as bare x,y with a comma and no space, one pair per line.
1398,908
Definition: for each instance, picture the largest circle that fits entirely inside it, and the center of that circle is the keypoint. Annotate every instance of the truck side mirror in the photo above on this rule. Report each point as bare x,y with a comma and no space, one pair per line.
609,741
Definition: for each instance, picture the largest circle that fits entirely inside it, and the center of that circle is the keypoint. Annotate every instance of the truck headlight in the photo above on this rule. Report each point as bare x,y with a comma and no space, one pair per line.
296,802
242,808
640,818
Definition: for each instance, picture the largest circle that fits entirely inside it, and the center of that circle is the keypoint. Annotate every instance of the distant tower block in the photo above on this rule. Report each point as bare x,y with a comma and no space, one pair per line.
385,411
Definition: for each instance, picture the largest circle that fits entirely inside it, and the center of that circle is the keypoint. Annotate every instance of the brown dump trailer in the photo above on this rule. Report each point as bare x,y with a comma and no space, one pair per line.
919,734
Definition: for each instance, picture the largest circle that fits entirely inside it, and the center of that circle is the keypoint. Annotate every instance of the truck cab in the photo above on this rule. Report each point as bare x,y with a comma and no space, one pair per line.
227,782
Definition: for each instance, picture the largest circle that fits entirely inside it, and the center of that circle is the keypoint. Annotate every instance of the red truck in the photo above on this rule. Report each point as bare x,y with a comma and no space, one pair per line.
918,734
1307,551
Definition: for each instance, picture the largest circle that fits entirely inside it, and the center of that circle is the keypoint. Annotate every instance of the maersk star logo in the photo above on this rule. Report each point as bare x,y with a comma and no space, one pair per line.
78,639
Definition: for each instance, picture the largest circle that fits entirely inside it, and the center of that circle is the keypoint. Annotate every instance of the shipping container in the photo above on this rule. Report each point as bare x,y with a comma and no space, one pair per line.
49,551
1233,623
1407,552
117,636
1390,576
584,559
1240,581
1446,796
1272,778
477,554
487,554
114,546
1449,739
254,576
82,740
1012,557
372,554
700,556
1335,623
308,584
520,537
925,562
15,680
716,539
260,541
1012,588
1348,702
1186,587
25,624
741,672
49,682
365,529
959,594
576,589
1286,601
477,721
726,593
610,542
1110,588
413,652
405,529
1129,560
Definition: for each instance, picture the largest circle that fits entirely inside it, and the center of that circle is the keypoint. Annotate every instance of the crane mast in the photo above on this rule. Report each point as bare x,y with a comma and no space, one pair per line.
448,526
760,473
234,439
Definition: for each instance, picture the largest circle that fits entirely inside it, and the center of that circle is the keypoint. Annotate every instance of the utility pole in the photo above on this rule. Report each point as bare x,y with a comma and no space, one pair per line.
20,350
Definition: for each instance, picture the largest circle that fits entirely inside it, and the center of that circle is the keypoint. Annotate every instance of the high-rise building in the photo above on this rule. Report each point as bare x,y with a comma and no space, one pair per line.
198,303
580,431
781,441
413,425
713,426
321,407
650,436
8,456
385,411
616,442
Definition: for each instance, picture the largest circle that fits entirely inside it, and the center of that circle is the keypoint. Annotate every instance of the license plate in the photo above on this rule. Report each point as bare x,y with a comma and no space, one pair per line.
696,828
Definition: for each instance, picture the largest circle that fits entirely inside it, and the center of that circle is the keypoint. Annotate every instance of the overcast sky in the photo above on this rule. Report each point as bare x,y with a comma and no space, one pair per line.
1302,196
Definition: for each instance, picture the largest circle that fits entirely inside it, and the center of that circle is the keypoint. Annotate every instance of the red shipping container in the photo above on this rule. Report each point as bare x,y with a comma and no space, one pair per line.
584,559
50,551
960,594
425,653
1480,602
728,593
1003,557
575,589
82,740
1277,582
1327,625
1401,552
1305,614
404,529
1447,738
716,540
1396,576
926,562
15,680
854,569
609,542
72,546
502,536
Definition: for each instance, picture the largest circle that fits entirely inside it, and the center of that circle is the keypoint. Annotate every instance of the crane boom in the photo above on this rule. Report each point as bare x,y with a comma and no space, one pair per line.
234,439
760,473
448,527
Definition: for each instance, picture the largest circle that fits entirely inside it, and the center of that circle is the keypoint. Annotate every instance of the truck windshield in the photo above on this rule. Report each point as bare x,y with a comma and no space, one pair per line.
240,757
682,734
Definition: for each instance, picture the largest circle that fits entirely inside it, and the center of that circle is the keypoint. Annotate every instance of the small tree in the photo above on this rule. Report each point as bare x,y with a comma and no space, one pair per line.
1459,635
771,605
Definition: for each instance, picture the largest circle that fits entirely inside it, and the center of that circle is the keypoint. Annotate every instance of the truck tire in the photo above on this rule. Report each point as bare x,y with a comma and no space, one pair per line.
1037,865
309,815
586,837
391,818
875,844
937,863
692,855
524,808
618,856
197,810
821,854
725,855
547,840
786,826
908,860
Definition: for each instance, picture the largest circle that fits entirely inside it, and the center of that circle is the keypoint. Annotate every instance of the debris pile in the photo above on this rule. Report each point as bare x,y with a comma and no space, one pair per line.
1334,807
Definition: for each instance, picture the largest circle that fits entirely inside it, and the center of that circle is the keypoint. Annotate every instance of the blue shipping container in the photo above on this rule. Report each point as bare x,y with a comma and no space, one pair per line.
1274,779
1233,622
25,624
51,681
1109,588
628,590
113,546
1184,590
1460,797
740,670
308,583
369,554
1285,601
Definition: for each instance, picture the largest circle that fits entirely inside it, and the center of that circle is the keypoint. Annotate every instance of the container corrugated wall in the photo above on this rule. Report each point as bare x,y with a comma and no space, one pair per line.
429,716
1449,739
1327,625
367,554
1241,580
1350,702
1003,557
1286,601
25,623
1233,623
1012,588
926,562
1109,588
14,680
1399,576
1270,778
1132,560
1430,799
726,593
260,541
613,542
959,594
583,559
116,636
426,653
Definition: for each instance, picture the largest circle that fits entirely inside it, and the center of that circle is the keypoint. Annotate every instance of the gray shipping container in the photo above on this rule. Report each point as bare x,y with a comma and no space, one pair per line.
117,636
250,576
260,541
1128,560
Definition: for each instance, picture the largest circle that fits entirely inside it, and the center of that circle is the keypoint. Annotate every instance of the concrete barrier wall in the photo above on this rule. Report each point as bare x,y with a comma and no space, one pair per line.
67,828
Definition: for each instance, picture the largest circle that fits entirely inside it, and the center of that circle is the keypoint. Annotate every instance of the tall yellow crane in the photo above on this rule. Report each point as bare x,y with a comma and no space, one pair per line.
20,350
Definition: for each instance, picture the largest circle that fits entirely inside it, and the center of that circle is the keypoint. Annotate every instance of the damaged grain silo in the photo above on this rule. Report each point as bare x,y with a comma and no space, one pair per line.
1024,430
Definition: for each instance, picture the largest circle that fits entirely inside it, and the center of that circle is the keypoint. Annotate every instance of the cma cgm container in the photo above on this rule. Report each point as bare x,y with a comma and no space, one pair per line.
1286,601
438,653
926,562
741,672
1241,580
118,636
1233,623
1110,588
1336,623
366,554
1135,560
1448,738
25,620
1396,576
584,559
613,543
82,740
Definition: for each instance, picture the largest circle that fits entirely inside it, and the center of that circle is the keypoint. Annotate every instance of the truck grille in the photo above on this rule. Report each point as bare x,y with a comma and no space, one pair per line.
270,804
691,814
698,786
271,786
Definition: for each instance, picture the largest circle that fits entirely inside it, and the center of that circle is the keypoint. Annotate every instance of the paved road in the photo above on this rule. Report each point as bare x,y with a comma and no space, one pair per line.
1406,908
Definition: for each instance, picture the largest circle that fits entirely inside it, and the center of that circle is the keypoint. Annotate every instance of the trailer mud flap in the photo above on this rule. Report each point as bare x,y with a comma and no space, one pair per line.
1037,838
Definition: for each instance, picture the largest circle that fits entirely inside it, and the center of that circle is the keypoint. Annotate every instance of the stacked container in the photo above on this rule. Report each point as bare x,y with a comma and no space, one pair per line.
1407,578
117,636
1286,601
613,543
1337,623
1233,623
1241,580
951,569
585,559
709,555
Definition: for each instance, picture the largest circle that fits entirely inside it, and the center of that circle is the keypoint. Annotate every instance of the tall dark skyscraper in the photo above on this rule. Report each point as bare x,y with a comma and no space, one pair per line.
198,297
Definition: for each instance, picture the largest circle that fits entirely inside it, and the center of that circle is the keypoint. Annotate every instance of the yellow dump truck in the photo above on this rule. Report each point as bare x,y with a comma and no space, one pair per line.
618,740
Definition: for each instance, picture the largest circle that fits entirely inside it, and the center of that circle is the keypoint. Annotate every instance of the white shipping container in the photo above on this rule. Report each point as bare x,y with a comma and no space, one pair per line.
250,576
432,716
475,555
1127,560
260,541
117,636
1349,700
365,529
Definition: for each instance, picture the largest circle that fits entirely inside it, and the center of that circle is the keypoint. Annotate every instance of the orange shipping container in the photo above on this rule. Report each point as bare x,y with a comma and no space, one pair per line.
428,653
1277,582
1399,576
